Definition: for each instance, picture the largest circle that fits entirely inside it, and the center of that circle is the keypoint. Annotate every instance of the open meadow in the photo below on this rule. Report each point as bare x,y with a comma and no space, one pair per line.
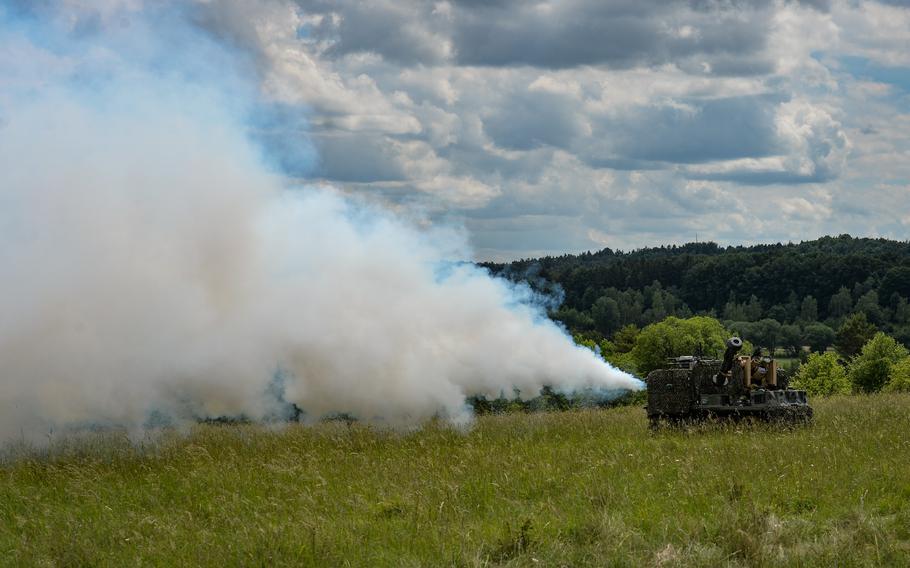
591,487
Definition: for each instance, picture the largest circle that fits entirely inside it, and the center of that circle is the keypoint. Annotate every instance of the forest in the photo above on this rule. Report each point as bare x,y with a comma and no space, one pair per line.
779,296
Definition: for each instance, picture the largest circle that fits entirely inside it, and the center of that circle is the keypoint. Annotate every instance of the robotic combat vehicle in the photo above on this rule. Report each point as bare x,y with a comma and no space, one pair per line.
696,389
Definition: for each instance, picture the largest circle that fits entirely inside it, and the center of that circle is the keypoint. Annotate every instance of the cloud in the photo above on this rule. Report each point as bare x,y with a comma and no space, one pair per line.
511,112
813,147
694,131
404,32
618,34
533,118
360,158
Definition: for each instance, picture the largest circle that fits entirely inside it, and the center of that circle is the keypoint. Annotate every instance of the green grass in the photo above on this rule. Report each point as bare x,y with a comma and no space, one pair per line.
590,487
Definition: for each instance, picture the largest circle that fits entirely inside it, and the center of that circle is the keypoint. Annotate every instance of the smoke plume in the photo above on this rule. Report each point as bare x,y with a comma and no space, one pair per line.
155,263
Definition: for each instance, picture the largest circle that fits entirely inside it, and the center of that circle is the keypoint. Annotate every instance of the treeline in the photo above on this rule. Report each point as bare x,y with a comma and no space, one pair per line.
778,296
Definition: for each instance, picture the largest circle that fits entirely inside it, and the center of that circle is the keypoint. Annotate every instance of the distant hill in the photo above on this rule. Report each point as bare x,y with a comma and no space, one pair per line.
823,280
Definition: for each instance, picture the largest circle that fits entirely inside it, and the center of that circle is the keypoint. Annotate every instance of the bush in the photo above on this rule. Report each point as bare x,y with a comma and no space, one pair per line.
871,369
822,375
899,381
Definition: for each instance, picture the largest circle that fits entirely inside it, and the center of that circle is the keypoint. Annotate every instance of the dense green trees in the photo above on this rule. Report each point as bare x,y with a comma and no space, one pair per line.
792,338
818,337
896,281
809,309
843,292
606,315
815,286
853,334
868,304
840,303
624,339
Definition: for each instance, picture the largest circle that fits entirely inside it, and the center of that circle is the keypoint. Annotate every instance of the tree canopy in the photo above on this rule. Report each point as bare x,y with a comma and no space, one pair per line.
703,336
807,285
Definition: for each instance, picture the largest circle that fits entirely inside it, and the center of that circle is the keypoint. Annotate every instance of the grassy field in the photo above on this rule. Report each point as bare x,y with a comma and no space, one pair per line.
574,488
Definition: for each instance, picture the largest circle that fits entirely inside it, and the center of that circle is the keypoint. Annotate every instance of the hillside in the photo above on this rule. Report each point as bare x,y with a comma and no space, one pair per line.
820,281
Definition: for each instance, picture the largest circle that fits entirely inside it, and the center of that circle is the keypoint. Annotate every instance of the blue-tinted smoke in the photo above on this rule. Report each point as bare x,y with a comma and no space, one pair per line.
156,269
119,57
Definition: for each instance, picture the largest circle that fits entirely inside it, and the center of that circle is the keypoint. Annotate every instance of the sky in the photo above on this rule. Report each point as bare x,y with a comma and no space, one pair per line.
563,126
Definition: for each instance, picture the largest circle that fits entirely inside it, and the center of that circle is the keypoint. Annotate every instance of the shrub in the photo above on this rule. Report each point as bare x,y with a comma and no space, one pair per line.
899,381
871,369
822,374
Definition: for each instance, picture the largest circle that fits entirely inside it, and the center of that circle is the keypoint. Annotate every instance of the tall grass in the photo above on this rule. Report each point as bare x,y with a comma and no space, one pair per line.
590,487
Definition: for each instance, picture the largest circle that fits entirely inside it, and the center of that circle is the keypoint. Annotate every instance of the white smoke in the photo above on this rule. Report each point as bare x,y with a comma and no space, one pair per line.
150,264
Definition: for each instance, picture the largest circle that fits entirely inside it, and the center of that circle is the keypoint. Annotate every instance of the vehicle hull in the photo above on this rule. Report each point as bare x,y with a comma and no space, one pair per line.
695,394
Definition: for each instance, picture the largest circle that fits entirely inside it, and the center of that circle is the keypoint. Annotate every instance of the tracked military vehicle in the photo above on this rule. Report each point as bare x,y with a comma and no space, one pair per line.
695,389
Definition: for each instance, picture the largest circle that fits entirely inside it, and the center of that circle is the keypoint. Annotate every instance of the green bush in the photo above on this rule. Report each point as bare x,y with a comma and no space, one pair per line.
871,369
822,375
899,381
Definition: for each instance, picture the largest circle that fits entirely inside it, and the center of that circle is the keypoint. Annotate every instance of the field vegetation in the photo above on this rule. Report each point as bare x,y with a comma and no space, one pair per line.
581,487
777,296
